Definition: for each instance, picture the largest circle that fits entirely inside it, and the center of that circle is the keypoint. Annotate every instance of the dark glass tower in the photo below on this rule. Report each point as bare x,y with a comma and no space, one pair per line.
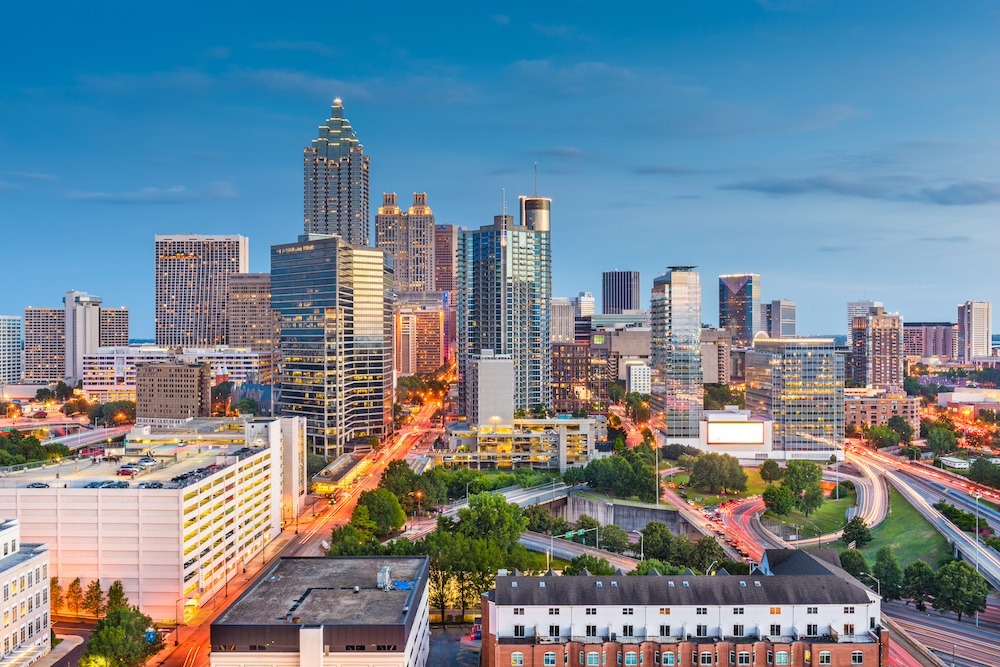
739,306
619,292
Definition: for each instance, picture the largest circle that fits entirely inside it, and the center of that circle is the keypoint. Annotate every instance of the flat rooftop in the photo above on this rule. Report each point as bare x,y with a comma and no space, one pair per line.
321,591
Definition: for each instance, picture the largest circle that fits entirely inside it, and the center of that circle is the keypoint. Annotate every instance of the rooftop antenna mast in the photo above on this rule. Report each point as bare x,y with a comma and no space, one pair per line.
536,179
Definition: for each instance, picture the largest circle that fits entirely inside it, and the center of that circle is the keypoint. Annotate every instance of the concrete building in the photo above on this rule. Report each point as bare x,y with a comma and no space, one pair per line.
445,260
584,305
44,345
192,287
637,378
252,322
329,612
335,181
738,433
421,339
739,306
803,610
677,389
239,365
875,407
83,331
716,355
504,294
109,374
577,382
778,318
491,387
218,492
11,347
543,444
925,340
433,301
24,569
877,355
114,331
626,345
975,330
170,392
619,292
855,309
563,320
798,383
335,302
409,236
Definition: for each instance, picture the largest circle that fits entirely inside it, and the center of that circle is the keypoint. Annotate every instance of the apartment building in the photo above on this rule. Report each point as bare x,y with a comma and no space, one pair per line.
24,573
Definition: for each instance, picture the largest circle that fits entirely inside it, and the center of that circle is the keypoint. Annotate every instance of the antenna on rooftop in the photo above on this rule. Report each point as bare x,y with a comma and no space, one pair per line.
536,179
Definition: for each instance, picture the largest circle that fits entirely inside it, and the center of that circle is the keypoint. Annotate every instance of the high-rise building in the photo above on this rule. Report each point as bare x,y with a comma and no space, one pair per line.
252,323
445,257
409,236
169,392
490,385
572,388
11,343
420,339
563,320
975,330
739,306
83,327
619,292
192,287
584,305
336,181
675,353
335,303
877,352
798,383
777,318
854,309
716,350
930,339
44,345
109,374
504,295
114,327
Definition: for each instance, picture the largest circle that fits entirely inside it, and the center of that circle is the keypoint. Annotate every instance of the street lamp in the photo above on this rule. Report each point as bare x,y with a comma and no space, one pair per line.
878,584
977,496
642,544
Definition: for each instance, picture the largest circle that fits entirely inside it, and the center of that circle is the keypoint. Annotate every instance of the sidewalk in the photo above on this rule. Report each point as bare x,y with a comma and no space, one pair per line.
68,643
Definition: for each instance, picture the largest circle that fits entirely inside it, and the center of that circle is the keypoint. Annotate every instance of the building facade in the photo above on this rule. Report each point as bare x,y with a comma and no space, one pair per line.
930,339
445,260
778,318
584,305
335,303
716,354
563,320
855,309
739,306
490,389
573,386
798,384
169,392
335,181
875,407
975,330
638,378
619,292
409,236
542,444
877,353
504,295
83,330
24,571
192,287
421,339
11,345
109,374
675,351
252,323
44,345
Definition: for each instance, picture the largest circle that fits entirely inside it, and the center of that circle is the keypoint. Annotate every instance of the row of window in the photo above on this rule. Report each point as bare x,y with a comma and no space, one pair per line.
701,630
665,611
595,659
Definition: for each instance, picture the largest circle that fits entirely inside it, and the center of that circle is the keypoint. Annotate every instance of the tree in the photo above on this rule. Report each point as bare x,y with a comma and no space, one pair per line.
718,472
902,427
573,476
960,589
647,566
314,464
919,583
384,510
57,596
74,596
591,528
857,531
779,499
593,565
811,499
854,562
770,471
888,573
615,539
489,514
44,395
349,540
941,440
246,406
882,436
93,599
799,475
440,547
116,596
120,640
704,552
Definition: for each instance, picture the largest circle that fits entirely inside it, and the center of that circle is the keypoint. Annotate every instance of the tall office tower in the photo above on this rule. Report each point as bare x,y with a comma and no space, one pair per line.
619,292
409,236
192,287
336,181
83,331
421,345
584,305
675,352
739,306
44,345
335,304
877,352
930,339
975,330
798,383
252,322
854,309
114,327
777,319
10,351
504,295
563,319
716,350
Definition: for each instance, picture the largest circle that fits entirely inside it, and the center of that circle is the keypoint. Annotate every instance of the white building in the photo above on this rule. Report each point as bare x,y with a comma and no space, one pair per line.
236,364
24,573
737,433
544,444
490,391
83,330
219,491
638,378
109,373
975,330
11,345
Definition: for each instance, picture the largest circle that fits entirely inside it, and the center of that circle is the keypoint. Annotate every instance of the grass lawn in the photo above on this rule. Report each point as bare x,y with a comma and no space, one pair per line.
755,486
829,518
909,534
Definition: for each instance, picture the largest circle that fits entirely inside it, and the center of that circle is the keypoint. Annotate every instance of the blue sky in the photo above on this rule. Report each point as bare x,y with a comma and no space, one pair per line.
843,150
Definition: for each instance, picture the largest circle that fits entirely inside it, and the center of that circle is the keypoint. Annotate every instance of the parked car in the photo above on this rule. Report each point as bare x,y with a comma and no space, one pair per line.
38,485
116,485
151,485
126,471
146,463
94,485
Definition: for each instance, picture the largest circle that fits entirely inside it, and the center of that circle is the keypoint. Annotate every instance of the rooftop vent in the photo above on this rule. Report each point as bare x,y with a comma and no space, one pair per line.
541,584
513,584
384,579
357,589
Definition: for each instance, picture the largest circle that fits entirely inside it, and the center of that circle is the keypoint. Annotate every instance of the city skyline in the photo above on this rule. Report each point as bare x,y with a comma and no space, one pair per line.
852,146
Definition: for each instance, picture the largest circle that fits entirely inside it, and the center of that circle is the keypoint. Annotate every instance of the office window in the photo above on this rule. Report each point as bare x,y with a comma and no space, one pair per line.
812,630
738,630
848,628
553,631
825,658
775,611
781,658
631,658
549,659
775,630
668,658
706,658
737,611
857,658
702,631
518,630
591,630
701,611
519,611
591,611
517,658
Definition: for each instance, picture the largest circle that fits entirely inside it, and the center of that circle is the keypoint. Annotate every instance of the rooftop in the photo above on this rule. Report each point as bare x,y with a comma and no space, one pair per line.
330,591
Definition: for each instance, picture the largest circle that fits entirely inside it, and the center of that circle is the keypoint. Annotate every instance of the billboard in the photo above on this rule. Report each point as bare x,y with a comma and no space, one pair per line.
735,433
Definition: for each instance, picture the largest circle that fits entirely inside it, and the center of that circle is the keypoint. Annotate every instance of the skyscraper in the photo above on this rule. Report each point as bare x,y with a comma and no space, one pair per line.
975,330
335,304
562,326
877,350
585,304
10,351
409,236
252,322
336,181
192,287
855,308
114,327
445,249
44,345
778,318
739,306
619,292
930,339
83,331
675,352
504,295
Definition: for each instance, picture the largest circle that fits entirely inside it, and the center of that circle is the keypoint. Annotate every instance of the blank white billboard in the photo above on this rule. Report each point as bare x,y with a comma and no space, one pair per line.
735,433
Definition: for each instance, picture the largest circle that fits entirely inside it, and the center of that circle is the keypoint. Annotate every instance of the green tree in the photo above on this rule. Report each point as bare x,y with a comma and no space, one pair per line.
615,539
647,566
120,640
57,596
857,531
960,589
886,569
74,596
854,562
919,583
441,549
573,476
93,599
490,514
902,427
384,510
591,528
941,440
811,499
314,464
779,499
246,406
44,395
116,596
800,475
593,564
354,538
770,471
717,473
882,436
401,481
704,552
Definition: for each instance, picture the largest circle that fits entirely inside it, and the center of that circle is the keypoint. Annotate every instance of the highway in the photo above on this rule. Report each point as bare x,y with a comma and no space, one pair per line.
90,437
568,550
972,646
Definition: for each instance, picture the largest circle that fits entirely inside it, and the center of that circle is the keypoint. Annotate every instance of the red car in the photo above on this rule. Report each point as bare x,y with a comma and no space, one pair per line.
126,472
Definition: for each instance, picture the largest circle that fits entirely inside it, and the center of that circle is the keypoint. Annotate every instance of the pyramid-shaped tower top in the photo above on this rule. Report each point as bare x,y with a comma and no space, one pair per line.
336,137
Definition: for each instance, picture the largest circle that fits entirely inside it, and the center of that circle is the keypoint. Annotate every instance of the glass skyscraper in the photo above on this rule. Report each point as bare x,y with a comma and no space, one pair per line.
675,352
739,306
504,298
335,304
619,292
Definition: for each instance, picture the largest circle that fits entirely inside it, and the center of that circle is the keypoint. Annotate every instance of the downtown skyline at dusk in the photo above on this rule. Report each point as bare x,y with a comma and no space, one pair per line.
840,151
